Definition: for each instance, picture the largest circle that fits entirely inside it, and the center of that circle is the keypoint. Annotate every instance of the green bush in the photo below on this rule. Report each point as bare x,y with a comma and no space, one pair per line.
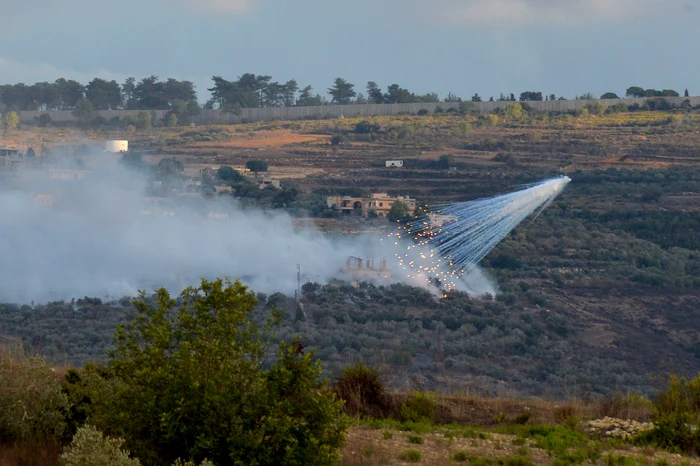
410,456
193,382
517,461
677,417
419,408
461,456
31,400
90,448
416,439
256,165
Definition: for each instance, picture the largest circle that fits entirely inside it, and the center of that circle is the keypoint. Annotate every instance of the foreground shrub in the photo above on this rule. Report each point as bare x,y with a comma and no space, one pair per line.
191,382
677,417
674,432
361,390
31,401
419,408
410,456
90,448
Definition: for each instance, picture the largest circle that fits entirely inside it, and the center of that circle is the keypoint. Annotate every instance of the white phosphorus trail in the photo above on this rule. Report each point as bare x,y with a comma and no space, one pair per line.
451,241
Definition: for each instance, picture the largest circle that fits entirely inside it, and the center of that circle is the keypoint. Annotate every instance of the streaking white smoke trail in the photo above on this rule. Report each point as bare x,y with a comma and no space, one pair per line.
468,231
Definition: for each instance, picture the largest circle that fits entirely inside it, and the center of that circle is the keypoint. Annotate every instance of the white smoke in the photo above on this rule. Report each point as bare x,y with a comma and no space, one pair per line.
96,241
103,238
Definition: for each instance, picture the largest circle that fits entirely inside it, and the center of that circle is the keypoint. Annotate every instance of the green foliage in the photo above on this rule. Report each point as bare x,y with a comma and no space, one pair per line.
420,407
44,120
595,108
256,165
190,382
514,111
11,120
682,396
399,210
104,95
635,92
446,161
517,461
461,129
171,120
422,427
144,120
461,456
467,107
416,439
410,456
342,92
387,435
169,167
677,417
227,173
90,448
31,401
555,440
367,127
83,110
651,194
488,120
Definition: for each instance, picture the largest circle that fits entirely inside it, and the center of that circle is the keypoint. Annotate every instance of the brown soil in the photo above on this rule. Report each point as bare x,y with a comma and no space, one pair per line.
262,139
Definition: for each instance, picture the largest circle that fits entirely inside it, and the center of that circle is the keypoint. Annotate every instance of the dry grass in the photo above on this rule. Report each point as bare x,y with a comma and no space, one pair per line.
366,446
470,410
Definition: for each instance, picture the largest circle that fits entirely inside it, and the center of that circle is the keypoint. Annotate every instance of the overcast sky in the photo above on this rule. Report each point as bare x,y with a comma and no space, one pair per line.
565,47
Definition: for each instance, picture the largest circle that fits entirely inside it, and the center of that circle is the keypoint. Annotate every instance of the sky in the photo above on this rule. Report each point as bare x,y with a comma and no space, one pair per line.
565,47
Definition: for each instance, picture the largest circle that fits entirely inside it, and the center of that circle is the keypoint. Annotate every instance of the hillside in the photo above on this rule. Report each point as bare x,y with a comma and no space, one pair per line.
599,294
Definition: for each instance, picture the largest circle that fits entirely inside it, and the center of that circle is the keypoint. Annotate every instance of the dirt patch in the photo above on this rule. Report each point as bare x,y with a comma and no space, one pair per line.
262,140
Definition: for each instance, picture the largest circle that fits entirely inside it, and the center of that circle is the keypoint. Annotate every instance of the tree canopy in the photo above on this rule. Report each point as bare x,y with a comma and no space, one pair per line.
147,94
342,92
192,378
256,165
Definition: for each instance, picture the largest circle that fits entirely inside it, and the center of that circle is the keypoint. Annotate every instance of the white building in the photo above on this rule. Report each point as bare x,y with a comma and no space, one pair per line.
394,164
117,146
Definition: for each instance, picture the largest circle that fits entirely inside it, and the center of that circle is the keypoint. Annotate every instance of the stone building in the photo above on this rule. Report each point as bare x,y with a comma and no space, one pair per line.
380,203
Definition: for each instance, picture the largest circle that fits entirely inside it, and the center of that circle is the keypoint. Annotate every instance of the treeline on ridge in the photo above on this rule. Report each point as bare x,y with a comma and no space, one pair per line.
248,91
